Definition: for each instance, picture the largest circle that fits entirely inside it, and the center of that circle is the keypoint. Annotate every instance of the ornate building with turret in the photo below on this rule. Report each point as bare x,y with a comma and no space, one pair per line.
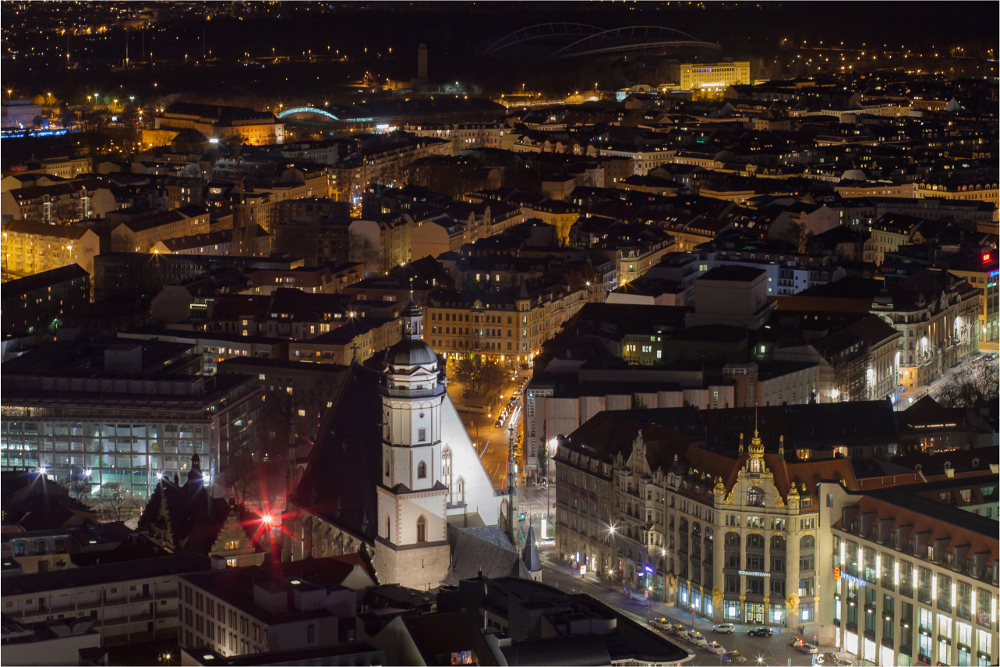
392,467
651,507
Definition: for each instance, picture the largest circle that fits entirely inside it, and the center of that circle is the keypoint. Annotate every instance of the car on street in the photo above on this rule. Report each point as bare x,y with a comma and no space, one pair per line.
662,623
724,629
716,648
808,648
734,657
697,639
679,631
498,424
797,641
760,632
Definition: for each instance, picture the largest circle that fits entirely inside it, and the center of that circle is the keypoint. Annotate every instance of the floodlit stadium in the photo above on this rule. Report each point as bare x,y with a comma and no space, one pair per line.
574,40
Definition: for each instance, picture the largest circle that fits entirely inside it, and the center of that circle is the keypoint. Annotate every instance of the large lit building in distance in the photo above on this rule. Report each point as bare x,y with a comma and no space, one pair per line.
715,77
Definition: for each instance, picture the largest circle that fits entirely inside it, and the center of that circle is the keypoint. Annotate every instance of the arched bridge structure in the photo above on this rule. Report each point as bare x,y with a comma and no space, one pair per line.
574,40
298,110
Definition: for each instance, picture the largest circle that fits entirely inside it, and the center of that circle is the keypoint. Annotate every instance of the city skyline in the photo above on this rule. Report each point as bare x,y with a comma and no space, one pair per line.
500,333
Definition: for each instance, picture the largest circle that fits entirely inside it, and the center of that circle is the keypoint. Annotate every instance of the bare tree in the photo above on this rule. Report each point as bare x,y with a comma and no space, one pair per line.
480,374
799,235
117,503
361,249
973,386
256,482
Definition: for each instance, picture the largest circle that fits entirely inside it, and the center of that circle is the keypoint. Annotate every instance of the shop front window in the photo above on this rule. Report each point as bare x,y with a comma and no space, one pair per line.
776,614
754,612
851,642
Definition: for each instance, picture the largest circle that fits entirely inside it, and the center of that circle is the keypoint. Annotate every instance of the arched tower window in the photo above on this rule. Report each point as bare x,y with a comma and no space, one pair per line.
421,529
422,470
755,496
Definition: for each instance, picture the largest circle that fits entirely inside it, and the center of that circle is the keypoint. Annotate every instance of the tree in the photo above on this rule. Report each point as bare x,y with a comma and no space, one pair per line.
799,235
638,403
543,458
973,386
361,249
256,482
117,503
480,374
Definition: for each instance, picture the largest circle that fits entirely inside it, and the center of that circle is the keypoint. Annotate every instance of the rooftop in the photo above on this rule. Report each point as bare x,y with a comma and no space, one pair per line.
733,273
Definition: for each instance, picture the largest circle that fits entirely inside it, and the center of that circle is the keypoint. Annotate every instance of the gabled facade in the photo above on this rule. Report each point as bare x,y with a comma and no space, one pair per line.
729,539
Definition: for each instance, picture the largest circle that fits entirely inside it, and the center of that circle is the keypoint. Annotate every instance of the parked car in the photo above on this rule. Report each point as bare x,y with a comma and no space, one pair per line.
716,648
697,639
724,629
679,631
808,648
499,423
662,623
760,632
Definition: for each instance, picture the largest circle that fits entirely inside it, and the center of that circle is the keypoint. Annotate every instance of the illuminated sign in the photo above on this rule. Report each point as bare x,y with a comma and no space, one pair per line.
857,581
749,573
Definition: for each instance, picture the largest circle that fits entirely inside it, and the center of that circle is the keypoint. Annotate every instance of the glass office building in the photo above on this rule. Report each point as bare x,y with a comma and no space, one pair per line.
89,433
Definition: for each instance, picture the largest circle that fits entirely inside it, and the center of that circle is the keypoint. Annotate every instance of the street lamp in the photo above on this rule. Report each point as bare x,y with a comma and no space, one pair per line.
614,555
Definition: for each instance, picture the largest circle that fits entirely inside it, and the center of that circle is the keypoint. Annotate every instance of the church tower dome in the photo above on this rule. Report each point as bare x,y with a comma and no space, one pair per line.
411,350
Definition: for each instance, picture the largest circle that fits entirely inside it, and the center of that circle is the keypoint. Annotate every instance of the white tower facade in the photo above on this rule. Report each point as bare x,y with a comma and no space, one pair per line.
412,547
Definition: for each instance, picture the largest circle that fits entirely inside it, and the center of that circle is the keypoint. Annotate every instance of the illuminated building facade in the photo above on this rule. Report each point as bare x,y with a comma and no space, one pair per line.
728,539
715,77
910,575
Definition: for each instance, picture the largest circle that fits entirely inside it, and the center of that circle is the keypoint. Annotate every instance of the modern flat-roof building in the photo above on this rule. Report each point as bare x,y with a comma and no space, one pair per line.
912,574
102,414
348,653
129,601
50,643
245,610
44,299
531,623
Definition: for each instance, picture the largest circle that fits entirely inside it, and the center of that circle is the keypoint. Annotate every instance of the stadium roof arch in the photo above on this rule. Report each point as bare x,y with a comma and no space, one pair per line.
574,40
297,110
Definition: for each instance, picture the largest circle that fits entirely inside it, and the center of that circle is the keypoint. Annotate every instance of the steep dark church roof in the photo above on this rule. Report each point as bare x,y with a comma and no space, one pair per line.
345,465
